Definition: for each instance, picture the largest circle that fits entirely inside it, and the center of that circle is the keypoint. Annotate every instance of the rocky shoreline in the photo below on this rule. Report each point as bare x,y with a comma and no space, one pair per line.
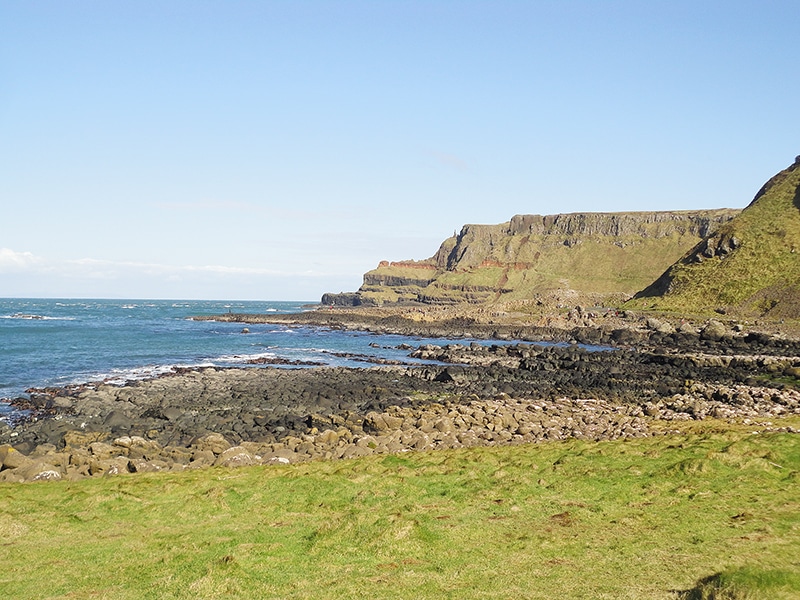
483,395
576,325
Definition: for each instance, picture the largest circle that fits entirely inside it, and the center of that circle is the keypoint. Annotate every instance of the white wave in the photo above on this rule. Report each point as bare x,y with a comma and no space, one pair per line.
123,376
29,317
314,350
242,358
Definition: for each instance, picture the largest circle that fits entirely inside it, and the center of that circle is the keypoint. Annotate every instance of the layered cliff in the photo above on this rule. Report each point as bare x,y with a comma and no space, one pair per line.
750,265
598,255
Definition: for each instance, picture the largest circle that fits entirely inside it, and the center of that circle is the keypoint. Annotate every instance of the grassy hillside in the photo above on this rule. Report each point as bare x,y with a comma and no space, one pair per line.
593,254
750,266
666,517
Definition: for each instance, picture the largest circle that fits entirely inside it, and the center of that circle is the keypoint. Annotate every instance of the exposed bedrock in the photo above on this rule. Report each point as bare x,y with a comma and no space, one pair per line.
497,394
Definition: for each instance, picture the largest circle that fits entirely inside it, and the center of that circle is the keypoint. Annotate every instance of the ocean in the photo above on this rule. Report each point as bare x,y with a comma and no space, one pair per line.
55,342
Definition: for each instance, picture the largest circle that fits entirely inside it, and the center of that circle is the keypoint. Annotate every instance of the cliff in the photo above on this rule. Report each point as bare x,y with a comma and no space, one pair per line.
749,266
594,256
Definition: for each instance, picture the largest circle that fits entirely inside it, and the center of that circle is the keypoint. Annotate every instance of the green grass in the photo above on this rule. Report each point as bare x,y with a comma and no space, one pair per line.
757,279
747,583
666,517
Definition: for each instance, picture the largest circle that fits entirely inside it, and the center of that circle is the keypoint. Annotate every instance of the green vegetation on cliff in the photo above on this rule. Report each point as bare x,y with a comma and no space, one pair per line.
750,266
711,513
602,255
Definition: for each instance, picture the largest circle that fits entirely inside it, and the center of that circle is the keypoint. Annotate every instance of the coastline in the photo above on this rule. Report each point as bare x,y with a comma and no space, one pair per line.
578,324
486,395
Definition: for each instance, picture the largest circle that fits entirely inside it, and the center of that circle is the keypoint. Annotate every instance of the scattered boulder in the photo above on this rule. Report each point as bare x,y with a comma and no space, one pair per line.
36,470
714,331
102,451
660,326
213,442
11,458
235,456
82,439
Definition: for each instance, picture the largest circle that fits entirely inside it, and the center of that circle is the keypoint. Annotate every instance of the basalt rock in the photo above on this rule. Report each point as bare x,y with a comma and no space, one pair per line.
523,257
485,394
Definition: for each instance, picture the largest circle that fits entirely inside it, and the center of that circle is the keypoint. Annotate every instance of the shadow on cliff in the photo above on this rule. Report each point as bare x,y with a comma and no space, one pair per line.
658,288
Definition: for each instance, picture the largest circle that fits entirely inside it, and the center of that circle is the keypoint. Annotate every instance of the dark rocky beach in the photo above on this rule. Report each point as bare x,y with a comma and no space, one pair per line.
650,374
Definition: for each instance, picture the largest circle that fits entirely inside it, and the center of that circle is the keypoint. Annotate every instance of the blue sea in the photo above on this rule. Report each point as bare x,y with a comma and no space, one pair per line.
55,342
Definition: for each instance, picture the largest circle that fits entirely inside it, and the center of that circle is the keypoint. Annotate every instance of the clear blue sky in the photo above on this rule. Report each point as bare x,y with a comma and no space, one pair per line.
278,150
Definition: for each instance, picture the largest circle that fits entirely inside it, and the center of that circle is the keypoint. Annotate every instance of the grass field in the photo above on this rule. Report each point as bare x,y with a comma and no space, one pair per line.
713,512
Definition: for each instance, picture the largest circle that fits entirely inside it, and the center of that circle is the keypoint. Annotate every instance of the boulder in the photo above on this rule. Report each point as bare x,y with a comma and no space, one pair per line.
82,439
63,402
214,442
202,458
381,422
142,448
235,457
714,331
43,450
280,456
176,454
107,467
101,450
660,326
38,471
11,458
328,438
139,465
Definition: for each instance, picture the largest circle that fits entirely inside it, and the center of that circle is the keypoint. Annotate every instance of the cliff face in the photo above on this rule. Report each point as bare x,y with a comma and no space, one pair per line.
531,256
472,244
751,265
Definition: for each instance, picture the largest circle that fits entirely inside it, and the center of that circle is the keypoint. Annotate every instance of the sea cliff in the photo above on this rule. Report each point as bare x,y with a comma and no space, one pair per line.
586,257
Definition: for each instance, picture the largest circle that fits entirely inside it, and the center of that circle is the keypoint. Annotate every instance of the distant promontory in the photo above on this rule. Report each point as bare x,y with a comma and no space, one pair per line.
742,262
589,258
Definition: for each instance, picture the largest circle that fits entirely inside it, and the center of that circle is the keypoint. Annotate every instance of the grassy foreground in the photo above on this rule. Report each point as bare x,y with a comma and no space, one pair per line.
705,514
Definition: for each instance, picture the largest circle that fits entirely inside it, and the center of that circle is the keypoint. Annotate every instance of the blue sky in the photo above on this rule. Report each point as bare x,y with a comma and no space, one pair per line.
278,150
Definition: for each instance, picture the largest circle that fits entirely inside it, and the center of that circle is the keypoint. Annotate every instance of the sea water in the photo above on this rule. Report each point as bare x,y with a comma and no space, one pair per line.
55,342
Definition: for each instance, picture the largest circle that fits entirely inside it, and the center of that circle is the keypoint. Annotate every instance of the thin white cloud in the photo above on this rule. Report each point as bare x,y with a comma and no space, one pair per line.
92,267
95,269
12,261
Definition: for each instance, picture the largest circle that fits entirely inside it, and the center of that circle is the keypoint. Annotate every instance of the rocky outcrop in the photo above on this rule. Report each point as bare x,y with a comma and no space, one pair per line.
597,254
341,299
644,224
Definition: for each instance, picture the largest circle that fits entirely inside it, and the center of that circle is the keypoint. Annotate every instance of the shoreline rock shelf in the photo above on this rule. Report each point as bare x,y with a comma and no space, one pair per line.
504,394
